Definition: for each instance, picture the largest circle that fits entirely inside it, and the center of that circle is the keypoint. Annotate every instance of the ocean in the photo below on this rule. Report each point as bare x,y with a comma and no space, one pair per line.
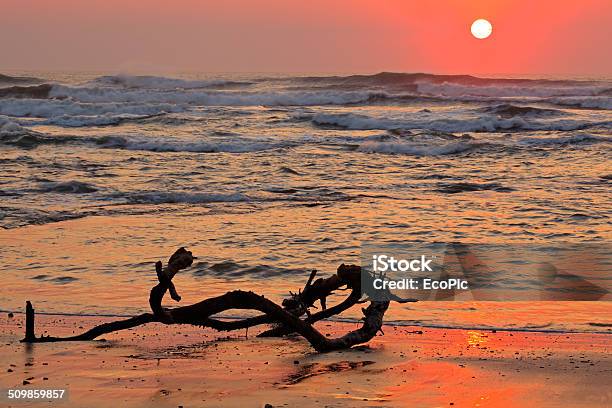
266,177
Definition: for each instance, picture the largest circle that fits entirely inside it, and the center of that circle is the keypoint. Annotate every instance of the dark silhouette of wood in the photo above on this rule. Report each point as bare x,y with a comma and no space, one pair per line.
287,317
181,259
29,331
99,330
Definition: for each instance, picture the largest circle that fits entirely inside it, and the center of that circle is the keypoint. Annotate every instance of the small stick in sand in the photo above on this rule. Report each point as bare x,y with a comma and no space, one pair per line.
29,334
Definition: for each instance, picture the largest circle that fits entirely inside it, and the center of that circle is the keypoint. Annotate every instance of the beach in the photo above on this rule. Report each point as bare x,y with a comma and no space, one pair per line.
170,366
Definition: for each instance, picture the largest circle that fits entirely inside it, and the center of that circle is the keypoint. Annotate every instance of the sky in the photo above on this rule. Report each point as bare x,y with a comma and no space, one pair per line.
543,37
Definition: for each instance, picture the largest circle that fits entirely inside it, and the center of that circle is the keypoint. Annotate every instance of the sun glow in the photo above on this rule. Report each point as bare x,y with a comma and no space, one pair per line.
481,29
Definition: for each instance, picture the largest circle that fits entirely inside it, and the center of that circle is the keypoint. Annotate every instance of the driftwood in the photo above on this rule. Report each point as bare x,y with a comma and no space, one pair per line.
286,318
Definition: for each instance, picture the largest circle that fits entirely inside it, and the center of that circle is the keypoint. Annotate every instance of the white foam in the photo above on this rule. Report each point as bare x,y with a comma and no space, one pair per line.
199,93
53,108
9,127
486,123
210,98
91,120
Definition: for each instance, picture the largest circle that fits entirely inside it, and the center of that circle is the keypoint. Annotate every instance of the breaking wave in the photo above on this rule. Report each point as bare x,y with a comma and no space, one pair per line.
313,97
99,120
179,143
9,127
486,123
156,82
427,143
385,87
13,134
212,98
73,113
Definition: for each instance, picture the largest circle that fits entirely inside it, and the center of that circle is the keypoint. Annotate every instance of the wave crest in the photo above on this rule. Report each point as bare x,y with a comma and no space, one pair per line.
417,149
9,127
566,140
487,123
506,110
156,197
157,82
10,80
173,145
69,187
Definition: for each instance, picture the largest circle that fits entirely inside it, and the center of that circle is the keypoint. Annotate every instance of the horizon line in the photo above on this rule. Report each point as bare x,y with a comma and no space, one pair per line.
153,72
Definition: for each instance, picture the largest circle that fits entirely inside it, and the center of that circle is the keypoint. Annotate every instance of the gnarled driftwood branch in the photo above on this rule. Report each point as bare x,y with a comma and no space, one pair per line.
286,317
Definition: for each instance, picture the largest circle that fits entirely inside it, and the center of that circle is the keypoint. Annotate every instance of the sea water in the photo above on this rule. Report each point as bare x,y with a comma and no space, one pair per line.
266,177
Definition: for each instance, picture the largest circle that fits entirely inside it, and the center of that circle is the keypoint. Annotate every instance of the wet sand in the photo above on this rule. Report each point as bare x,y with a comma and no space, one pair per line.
173,366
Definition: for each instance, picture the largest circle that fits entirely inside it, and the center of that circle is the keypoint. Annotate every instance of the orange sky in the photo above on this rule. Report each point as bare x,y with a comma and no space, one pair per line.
529,37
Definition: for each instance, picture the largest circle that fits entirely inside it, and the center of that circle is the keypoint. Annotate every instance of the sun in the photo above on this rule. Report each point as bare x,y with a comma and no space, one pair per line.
481,29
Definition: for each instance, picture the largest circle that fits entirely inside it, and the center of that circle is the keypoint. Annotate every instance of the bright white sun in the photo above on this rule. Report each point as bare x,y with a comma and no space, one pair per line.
481,28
